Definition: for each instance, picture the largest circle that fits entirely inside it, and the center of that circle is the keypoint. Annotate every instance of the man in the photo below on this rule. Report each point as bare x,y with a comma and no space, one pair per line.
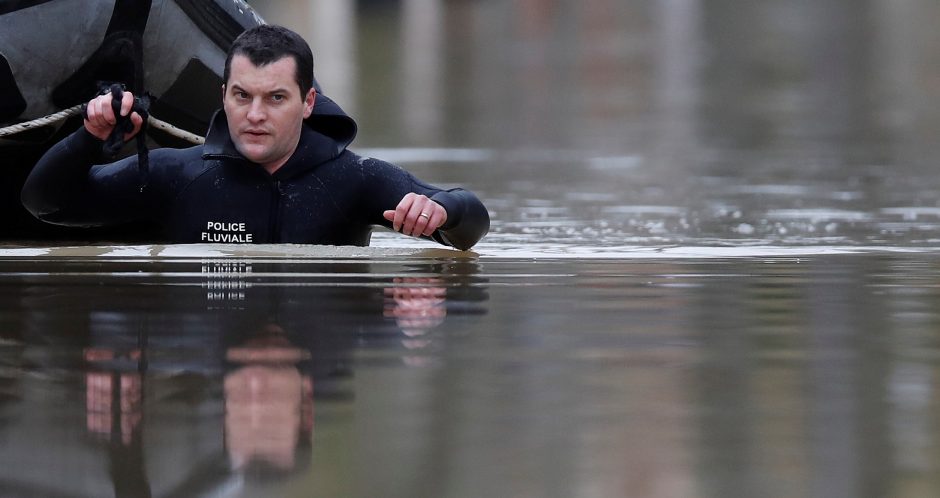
274,168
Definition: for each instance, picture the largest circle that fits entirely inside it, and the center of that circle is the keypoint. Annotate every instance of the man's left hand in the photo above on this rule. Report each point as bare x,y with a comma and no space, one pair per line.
416,215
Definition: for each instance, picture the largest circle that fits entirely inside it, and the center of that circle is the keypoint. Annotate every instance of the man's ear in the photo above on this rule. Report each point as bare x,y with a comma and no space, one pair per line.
309,100
223,92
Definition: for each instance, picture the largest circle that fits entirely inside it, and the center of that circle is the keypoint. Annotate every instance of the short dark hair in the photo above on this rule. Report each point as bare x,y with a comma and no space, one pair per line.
269,43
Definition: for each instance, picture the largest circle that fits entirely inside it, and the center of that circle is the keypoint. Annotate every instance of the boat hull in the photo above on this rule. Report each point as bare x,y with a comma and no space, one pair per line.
55,54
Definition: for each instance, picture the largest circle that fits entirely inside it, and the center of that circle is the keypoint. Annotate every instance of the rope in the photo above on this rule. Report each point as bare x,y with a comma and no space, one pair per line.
176,132
47,120
72,111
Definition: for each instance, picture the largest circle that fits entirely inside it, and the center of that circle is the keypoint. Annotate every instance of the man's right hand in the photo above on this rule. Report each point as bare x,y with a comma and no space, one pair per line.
100,119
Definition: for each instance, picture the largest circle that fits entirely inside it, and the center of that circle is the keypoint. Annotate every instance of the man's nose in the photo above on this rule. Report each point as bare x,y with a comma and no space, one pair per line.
256,111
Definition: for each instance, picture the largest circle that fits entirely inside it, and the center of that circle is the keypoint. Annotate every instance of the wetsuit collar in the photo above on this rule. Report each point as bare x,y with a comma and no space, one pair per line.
219,143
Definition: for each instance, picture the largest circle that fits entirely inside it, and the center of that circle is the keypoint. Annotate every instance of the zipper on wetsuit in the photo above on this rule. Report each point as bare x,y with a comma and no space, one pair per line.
274,220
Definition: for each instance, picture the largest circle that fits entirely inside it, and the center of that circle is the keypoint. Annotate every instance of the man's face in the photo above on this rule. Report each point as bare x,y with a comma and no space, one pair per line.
265,110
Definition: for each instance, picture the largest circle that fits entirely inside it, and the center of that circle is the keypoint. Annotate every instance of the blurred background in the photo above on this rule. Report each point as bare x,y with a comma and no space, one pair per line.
610,122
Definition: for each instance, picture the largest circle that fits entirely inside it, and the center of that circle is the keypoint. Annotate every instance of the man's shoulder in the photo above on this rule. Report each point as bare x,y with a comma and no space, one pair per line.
363,162
189,159
179,167
344,162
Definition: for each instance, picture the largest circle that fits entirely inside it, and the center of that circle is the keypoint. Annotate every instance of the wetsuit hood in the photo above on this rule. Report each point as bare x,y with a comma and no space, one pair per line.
326,134
330,120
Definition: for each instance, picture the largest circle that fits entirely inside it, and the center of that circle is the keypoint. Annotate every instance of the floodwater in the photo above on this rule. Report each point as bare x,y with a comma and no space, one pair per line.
390,372
713,271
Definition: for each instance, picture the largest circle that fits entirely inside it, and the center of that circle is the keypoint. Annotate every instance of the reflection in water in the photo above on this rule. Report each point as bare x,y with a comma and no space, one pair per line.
416,304
113,398
114,412
214,361
700,377
268,402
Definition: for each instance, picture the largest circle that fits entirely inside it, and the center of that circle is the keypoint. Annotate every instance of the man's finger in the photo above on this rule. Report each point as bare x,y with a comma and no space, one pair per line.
127,102
106,110
401,211
100,118
430,216
94,111
437,219
413,219
399,218
425,219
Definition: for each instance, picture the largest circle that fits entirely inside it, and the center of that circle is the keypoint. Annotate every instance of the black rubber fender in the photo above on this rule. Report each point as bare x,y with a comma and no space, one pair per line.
12,103
221,24
8,6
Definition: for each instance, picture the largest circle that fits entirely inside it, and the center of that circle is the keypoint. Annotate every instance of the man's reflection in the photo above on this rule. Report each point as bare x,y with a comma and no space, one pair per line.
164,360
268,401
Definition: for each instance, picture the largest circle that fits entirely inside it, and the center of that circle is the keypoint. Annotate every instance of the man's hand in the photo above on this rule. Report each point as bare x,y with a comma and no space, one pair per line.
416,304
101,120
416,215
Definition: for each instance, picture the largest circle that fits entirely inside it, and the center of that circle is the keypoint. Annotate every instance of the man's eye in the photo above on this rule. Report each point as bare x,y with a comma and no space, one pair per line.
277,97
241,95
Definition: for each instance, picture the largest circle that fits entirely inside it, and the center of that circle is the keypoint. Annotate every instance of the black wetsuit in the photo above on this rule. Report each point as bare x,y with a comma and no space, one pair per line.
323,194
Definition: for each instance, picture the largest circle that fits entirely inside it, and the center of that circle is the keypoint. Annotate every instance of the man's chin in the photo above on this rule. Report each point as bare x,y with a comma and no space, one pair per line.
254,153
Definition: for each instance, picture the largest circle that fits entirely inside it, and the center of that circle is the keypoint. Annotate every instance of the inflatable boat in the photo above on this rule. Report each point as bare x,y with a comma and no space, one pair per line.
56,54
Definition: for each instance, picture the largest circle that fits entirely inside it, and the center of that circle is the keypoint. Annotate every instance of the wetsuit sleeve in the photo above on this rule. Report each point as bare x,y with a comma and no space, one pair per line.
65,187
467,217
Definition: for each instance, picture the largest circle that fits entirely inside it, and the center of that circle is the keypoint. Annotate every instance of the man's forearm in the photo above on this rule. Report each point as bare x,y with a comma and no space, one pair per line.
58,178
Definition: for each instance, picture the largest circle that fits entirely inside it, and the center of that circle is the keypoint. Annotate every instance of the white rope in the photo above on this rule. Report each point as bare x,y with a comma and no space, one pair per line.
71,111
176,132
47,120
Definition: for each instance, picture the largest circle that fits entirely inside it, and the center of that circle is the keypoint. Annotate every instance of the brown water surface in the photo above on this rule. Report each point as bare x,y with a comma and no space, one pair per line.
712,272
411,375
